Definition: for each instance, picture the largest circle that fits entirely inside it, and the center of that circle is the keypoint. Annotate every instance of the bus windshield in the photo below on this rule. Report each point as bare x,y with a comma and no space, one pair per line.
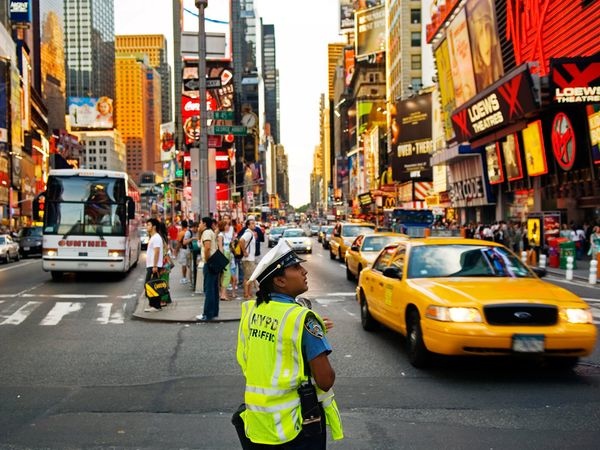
85,206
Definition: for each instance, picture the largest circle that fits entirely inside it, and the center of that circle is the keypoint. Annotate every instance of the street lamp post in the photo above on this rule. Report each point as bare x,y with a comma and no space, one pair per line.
199,158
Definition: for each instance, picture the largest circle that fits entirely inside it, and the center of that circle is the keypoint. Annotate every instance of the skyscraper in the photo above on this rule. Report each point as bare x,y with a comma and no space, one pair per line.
155,46
90,48
271,78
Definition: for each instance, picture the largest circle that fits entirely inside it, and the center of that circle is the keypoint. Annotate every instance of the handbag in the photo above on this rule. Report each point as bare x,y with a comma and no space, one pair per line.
156,288
217,262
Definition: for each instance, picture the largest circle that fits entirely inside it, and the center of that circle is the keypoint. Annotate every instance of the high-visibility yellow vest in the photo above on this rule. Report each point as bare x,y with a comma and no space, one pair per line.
269,352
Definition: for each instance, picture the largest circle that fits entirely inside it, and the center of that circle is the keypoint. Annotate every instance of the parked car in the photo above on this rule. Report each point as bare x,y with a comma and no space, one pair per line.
274,235
298,240
365,249
455,296
9,249
144,238
343,235
30,241
326,232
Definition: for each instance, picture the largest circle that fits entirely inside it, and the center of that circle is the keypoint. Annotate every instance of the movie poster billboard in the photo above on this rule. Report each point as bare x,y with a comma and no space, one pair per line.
445,83
91,112
348,65
459,49
512,157
370,31
593,115
485,45
411,158
535,153
494,167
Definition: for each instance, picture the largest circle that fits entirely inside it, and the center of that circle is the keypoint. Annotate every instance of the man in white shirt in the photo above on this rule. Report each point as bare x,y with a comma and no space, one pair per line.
154,259
249,259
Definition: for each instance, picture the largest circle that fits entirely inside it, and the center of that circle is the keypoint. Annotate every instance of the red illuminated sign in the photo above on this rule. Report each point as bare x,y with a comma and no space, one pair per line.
575,80
563,141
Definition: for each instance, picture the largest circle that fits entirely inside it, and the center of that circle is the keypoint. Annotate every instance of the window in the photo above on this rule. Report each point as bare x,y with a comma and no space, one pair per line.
415,16
416,84
415,38
415,62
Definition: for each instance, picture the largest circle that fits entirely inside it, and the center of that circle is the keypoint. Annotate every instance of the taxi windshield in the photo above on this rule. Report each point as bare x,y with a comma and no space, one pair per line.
429,261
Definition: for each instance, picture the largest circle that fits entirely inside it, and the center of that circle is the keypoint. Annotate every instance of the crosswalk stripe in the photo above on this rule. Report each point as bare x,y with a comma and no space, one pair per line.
106,317
60,310
20,314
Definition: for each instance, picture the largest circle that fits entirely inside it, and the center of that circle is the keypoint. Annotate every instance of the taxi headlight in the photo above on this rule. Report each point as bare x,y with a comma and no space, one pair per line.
453,314
578,315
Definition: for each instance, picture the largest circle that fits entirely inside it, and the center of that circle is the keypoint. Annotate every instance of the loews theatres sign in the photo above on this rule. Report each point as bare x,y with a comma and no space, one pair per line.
575,80
496,106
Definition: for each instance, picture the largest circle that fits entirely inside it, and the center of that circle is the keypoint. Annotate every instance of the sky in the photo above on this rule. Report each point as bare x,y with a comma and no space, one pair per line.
301,34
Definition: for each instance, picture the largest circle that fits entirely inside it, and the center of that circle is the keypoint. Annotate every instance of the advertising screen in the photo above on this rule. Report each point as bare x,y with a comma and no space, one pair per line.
370,31
593,115
494,167
512,157
535,153
444,68
460,58
485,45
91,112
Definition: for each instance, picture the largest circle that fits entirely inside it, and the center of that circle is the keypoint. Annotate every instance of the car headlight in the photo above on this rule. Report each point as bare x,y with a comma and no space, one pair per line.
453,314
578,315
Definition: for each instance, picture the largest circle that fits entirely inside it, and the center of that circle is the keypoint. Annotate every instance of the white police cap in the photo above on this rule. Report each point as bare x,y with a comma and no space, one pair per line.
279,257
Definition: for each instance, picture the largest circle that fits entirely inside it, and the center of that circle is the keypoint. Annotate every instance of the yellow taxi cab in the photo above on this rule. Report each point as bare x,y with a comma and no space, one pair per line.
455,296
365,249
343,234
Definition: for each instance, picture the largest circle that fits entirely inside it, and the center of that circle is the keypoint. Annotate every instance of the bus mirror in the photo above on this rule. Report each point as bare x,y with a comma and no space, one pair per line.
130,208
38,206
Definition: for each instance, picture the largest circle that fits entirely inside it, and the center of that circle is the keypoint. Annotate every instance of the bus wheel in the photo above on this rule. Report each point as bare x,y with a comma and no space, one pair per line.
56,275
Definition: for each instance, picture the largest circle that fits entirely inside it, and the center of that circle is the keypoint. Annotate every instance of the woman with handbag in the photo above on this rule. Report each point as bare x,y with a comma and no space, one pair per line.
223,243
154,260
208,246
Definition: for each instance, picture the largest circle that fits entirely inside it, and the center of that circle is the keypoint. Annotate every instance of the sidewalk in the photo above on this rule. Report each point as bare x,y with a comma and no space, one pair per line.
581,273
187,304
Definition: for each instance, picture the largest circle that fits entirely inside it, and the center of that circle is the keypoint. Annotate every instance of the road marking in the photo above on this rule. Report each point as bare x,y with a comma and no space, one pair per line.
17,265
20,314
106,317
60,310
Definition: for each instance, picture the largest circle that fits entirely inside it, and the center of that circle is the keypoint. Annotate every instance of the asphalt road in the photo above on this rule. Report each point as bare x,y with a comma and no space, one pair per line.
78,372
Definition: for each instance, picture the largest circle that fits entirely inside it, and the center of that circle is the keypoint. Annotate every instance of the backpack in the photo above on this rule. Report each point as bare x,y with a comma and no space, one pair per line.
236,248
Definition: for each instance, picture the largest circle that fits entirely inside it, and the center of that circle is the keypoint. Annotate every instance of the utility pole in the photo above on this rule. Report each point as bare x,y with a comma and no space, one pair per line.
199,157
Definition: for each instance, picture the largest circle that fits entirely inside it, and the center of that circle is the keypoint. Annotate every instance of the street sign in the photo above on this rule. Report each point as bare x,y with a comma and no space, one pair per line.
236,130
212,83
223,115
179,173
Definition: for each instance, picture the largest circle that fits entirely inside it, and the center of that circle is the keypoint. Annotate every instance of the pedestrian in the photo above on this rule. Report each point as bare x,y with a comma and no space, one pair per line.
184,240
208,246
173,232
223,246
260,237
594,243
249,258
154,259
276,332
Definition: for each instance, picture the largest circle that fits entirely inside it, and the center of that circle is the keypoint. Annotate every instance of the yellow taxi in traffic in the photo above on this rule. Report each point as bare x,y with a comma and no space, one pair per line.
455,296
343,234
365,249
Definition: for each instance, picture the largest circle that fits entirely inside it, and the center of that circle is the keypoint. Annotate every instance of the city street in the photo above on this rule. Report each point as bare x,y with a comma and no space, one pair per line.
78,371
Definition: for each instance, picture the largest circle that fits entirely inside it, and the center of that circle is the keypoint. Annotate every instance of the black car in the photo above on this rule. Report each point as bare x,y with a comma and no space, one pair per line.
30,241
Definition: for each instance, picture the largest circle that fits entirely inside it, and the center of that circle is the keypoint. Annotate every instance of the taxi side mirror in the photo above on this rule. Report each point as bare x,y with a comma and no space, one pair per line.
392,272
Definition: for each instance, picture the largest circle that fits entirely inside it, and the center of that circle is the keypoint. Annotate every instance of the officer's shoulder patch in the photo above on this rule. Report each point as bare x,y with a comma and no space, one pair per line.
313,326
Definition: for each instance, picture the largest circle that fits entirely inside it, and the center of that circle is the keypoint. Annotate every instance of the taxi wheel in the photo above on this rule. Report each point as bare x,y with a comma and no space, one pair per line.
562,363
331,254
366,319
340,257
418,355
349,275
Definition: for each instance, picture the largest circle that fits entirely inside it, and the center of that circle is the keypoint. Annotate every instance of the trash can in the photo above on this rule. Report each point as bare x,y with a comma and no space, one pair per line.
567,249
553,253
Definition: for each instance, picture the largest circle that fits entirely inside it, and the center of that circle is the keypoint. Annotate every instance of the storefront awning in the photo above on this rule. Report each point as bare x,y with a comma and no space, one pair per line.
452,153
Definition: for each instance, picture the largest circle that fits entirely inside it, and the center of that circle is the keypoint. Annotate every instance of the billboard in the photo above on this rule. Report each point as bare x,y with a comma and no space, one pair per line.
370,32
485,45
445,83
346,15
512,157
535,153
167,140
575,80
411,160
494,167
507,103
593,116
460,58
91,112
348,66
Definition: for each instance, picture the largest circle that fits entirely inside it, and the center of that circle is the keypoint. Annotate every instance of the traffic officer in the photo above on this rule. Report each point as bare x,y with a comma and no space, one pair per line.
283,353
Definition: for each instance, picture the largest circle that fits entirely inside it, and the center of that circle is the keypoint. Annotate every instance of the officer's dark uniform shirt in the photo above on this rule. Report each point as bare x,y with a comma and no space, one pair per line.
314,341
